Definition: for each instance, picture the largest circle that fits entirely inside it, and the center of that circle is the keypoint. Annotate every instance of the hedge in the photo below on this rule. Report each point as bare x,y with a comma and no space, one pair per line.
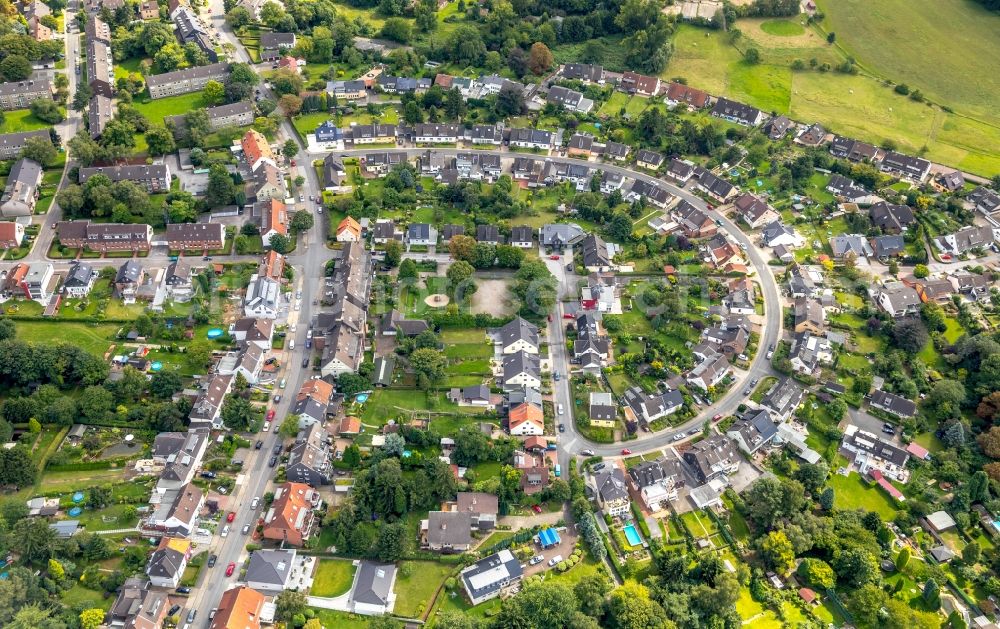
85,466
465,320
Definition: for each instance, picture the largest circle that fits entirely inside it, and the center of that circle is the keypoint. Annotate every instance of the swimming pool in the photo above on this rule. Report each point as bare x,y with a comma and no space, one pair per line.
632,535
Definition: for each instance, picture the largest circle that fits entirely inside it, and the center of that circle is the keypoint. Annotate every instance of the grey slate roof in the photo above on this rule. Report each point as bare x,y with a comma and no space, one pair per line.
374,583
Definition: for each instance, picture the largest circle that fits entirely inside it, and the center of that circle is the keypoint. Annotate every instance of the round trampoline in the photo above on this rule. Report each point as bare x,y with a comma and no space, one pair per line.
156,366
75,511
78,496
215,333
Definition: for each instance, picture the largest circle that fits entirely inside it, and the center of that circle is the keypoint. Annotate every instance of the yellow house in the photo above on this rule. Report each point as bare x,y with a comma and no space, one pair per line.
603,412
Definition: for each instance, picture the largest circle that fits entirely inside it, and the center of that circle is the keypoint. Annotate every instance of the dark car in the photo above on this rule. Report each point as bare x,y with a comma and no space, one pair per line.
562,427
305,361
258,445
277,448
888,429
173,610
273,461
212,559
183,590
207,474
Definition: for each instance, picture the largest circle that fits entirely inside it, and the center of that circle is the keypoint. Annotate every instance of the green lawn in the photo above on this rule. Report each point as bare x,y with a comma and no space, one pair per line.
95,338
341,620
782,28
333,577
414,592
157,110
21,120
850,492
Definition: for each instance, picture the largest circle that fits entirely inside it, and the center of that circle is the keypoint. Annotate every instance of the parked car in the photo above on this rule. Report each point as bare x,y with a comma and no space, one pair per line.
211,560
273,461
246,529
553,257
231,516
258,445
183,590
305,361
255,502
717,417
748,391
277,448
555,560
599,467
173,610
678,436
562,427
270,415
277,398
225,531
191,615
207,475
537,559
587,452
231,568
626,452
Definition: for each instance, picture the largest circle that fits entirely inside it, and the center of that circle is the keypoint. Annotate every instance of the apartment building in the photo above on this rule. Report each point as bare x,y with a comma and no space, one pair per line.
20,94
185,81
153,177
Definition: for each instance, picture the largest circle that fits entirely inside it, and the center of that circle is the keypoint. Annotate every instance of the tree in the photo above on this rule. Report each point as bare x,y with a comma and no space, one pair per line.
56,571
972,552
866,602
831,37
429,365
290,148
590,593
47,110
462,247
302,221
289,603
280,243
812,476
920,271
35,539
393,252
15,68
778,552
352,456
910,335
397,29
631,607
91,618
394,444
290,105
471,447
160,141
350,384
545,604
944,400
96,403
237,413
818,573
392,538
539,58
979,487
214,92
289,426
221,189
902,558
40,150
752,55
408,270
931,593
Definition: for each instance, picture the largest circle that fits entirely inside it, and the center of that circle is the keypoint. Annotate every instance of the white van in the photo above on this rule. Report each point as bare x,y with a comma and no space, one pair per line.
555,560
560,409
291,344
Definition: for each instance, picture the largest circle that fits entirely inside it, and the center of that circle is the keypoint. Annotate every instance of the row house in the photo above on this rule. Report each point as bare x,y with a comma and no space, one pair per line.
309,459
346,90
20,94
715,187
480,134
737,112
912,168
680,94
652,193
431,133
100,111
195,236
100,68
559,172
153,178
257,150
693,222
537,139
381,163
208,404
847,190
569,99
477,166
854,150
871,452
967,240
634,83
644,408
587,73
238,114
185,81
104,237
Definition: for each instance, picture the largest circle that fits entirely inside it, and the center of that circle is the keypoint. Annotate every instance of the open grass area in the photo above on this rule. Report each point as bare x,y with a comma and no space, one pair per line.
157,110
782,28
850,492
95,338
333,577
341,620
21,120
414,592
855,105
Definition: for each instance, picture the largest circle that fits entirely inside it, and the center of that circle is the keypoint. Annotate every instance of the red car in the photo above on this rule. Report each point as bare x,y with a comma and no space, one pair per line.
553,257
567,315
626,451
717,417
293,163
270,415
536,508
230,568
231,516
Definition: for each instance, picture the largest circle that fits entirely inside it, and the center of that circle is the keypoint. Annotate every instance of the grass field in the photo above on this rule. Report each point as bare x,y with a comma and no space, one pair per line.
93,338
415,591
341,620
157,110
21,120
855,105
850,492
333,577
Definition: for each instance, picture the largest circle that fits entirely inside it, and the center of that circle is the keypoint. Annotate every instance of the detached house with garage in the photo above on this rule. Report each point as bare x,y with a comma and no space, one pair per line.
657,482
643,408
167,563
754,211
518,336
753,431
715,187
611,490
893,404
713,458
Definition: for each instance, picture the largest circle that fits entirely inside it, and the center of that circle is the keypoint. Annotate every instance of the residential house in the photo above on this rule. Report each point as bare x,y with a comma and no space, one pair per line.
650,192
384,231
853,150
634,83
849,191
871,452
21,191
650,160
580,145
11,144
313,402
885,247
196,236
522,237
737,112
248,362
20,94
167,563
178,282
290,518
39,281
349,230
485,134
421,234
898,300
890,218
79,280
783,398
560,235
680,171
693,222
270,570
813,135
488,234
272,266
191,30
753,431
809,316
912,168
966,240
777,234
521,369
583,72
644,408
754,211
176,511
274,220
273,45
602,410
372,134
474,395
808,352
447,531
100,112
971,285
657,482
149,10
984,200
518,335
740,302
596,254
715,187
345,91
309,459
611,181
527,138
372,593
680,94
137,606
893,404
485,579
434,133
252,331
269,183
525,420
153,177
481,506
240,607
381,163
612,491
208,405
592,348
185,81
571,100
616,151
855,245
257,150
127,280
709,372
714,458
777,127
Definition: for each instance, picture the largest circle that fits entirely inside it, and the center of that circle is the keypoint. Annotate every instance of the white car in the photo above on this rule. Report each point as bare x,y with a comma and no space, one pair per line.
537,559
225,531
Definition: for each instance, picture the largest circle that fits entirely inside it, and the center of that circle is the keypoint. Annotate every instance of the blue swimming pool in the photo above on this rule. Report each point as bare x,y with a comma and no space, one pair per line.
632,535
